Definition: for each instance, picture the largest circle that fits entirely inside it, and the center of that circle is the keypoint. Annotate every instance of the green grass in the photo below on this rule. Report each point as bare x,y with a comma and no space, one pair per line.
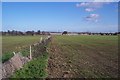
6,56
83,56
33,69
21,44
16,43
86,56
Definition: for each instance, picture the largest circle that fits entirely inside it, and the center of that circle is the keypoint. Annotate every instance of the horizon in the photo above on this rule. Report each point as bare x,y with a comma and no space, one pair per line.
59,31
60,16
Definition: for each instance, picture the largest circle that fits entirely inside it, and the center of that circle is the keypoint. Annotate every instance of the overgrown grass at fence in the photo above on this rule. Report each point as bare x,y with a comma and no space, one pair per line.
6,56
25,52
18,44
34,69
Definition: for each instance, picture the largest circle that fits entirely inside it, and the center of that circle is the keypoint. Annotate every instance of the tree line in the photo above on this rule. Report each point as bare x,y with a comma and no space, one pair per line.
14,33
89,33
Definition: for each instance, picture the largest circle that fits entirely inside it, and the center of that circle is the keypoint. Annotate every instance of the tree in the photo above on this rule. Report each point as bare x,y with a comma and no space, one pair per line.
65,32
38,32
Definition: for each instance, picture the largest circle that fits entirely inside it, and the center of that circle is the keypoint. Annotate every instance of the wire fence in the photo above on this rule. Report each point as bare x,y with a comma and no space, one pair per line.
40,48
21,58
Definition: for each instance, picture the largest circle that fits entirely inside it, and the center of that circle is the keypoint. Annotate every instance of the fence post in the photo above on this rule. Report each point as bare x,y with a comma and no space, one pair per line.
30,53
40,39
14,53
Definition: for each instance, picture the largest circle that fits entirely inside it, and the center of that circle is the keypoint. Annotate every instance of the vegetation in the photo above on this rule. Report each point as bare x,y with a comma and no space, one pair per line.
17,44
65,32
6,56
84,56
15,33
34,69
69,56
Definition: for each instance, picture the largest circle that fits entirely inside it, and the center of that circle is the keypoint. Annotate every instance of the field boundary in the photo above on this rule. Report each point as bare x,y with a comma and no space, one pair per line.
17,61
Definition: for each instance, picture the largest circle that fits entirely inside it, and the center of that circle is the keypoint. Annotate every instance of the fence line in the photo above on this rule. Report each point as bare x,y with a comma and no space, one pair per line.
17,61
39,48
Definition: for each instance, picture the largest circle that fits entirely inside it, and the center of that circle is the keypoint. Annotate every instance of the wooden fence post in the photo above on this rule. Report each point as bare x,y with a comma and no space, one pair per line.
40,39
14,53
30,53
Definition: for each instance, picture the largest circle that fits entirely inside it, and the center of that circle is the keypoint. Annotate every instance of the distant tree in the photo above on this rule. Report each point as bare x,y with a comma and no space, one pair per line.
13,32
38,32
115,33
33,33
65,32
29,33
9,32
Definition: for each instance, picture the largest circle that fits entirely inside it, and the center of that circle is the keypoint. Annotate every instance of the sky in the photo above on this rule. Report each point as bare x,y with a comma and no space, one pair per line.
60,0
60,16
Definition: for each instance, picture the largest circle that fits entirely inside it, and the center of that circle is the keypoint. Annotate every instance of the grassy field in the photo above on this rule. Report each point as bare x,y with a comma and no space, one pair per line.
83,56
36,68
69,56
17,44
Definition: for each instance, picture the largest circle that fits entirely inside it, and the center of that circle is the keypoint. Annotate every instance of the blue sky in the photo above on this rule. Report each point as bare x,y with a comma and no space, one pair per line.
60,16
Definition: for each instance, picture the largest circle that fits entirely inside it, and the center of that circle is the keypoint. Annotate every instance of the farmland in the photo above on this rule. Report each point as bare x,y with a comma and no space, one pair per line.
77,56
83,56
36,67
17,44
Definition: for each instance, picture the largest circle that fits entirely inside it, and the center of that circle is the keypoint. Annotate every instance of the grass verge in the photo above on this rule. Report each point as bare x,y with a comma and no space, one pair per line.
8,55
33,69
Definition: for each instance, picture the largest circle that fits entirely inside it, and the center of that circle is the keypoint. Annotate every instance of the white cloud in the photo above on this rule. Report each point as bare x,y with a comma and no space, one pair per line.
89,9
92,17
83,4
106,0
91,6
